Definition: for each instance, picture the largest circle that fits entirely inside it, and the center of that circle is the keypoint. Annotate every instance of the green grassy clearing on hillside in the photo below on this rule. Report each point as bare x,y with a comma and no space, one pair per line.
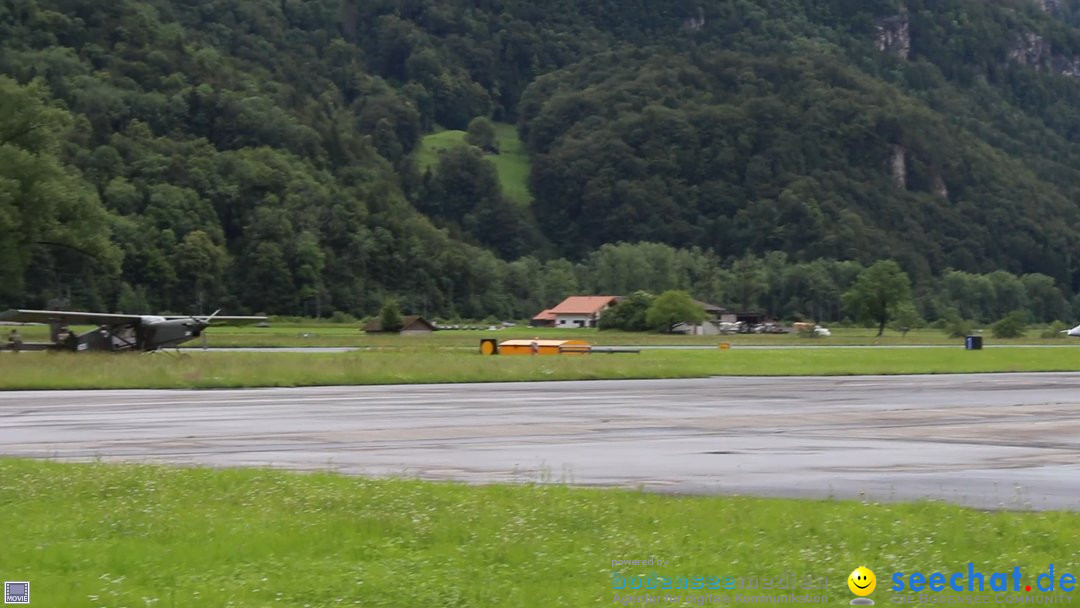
123,535
427,155
512,162
423,365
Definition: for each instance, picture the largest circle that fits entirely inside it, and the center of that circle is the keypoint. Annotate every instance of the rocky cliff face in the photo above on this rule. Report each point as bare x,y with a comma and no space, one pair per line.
1066,67
1050,6
940,189
894,35
695,23
1034,51
1030,50
898,165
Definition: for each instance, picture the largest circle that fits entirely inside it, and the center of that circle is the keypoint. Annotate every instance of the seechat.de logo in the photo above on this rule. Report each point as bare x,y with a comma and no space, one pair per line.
973,580
17,592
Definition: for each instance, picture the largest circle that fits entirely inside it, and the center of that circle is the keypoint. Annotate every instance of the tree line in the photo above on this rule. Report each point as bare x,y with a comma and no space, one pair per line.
880,295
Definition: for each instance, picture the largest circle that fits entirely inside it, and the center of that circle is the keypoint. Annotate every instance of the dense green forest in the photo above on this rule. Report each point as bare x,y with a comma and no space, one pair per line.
260,156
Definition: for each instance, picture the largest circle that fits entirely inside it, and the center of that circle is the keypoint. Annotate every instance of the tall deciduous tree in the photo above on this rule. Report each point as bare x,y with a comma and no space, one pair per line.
390,317
481,134
463,180
43,203
878,293
200,268
671,308
907,318
749,275
1012,325
629,314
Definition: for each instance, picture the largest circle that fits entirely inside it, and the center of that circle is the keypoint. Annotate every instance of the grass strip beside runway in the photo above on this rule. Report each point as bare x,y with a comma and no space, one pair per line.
315,334
225,370
123,535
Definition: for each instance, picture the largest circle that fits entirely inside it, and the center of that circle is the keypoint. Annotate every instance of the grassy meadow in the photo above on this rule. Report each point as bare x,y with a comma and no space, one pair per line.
512,162
328,334
331,334
136,535
425,365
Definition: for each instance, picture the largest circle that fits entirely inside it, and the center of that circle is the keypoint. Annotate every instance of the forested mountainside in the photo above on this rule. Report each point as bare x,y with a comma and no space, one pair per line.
261,155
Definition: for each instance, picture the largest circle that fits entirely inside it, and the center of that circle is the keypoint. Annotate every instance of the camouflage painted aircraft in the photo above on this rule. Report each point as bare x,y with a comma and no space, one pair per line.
117,333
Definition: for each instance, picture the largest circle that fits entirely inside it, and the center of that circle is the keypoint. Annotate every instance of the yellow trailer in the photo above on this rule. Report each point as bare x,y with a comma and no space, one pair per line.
543,347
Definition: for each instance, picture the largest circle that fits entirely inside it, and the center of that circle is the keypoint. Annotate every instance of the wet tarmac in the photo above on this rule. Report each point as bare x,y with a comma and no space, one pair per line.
989,440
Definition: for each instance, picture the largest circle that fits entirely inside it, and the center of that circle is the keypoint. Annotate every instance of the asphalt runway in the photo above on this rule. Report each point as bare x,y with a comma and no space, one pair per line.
990,441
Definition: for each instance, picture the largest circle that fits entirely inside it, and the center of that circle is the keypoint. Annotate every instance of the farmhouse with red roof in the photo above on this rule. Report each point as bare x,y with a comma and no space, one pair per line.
575,311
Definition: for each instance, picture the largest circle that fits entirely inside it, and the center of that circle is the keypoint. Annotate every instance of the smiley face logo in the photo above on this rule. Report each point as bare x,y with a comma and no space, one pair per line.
862,581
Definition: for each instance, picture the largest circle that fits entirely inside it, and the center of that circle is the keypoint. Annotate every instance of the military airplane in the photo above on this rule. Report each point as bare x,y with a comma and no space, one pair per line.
1073,333
117,332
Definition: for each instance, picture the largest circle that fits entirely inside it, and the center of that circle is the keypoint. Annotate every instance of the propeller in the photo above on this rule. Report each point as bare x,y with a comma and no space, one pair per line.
205,321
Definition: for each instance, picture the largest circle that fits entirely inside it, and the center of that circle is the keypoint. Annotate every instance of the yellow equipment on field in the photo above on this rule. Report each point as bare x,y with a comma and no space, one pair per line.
535,347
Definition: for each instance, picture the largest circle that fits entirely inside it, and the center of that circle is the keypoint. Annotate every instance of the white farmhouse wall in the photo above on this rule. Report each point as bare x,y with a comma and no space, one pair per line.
573,321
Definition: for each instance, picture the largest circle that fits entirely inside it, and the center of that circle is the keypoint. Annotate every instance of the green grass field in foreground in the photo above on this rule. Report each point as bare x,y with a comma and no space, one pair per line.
512,162
122,535
219,370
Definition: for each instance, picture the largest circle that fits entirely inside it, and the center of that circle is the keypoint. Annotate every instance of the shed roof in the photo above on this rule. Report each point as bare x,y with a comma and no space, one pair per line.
546,315
583,305
408,323
711,308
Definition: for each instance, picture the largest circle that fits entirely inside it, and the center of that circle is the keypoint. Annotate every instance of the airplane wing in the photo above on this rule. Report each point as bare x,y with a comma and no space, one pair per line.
219,320
66,317
222,320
